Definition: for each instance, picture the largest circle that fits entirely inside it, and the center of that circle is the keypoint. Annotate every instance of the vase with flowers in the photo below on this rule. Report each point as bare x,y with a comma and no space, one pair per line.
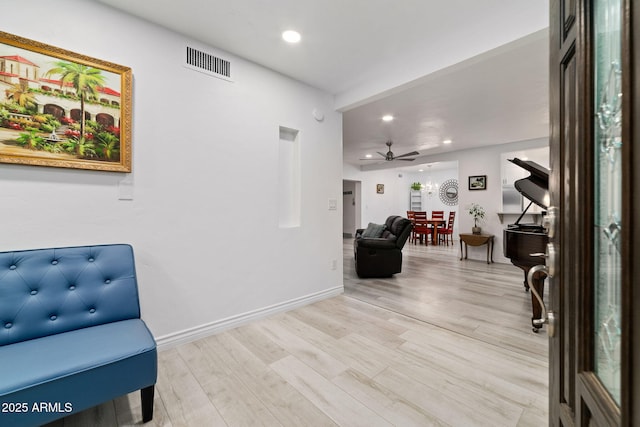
477,213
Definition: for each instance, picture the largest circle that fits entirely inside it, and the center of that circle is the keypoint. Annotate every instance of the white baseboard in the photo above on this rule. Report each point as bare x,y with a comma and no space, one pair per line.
171,340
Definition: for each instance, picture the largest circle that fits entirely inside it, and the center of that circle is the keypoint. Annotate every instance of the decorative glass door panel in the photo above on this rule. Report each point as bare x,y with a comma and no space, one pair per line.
608,194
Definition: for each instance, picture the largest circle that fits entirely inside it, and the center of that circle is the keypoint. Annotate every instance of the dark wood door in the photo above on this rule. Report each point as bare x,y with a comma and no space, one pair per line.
594,357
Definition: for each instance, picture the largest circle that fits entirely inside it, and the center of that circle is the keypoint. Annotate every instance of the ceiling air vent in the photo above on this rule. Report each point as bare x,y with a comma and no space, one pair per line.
207,63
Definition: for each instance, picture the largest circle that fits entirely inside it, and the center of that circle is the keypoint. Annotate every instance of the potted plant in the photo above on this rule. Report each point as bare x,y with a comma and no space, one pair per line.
477,213
416,186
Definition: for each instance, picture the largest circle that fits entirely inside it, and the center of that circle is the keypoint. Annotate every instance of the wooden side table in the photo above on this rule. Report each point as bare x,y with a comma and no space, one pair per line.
477,240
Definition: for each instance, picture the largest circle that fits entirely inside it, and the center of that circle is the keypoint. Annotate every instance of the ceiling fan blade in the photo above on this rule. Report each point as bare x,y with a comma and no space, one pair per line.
413,153
377,160
390,157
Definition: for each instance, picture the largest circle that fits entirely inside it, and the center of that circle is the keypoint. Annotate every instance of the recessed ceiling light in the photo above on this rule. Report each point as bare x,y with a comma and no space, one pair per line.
291,36
420,170
387,118
447,141
368,156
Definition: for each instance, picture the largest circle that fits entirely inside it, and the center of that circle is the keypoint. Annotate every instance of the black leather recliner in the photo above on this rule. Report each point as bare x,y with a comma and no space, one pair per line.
382,256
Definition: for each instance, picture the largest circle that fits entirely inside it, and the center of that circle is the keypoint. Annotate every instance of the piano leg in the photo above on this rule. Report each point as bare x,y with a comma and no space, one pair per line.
538,284
526,284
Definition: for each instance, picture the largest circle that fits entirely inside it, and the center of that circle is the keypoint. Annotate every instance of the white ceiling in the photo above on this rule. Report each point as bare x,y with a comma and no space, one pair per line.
497,97
471,71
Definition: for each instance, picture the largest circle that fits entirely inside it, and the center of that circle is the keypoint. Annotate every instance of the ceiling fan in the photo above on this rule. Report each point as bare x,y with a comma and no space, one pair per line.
389,156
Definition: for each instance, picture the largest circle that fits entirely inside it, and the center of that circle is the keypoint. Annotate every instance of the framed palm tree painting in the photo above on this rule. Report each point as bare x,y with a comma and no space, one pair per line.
62,109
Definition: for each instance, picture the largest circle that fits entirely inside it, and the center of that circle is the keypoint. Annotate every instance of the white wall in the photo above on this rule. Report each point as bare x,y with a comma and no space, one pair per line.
486,161
431,202
377,207
204,218
481,161
395,200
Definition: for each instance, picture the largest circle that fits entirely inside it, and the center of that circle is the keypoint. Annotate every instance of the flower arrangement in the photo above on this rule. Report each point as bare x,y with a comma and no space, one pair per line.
477,212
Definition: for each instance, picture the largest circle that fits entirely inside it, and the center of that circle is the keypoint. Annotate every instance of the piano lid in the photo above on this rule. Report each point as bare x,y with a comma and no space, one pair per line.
536,186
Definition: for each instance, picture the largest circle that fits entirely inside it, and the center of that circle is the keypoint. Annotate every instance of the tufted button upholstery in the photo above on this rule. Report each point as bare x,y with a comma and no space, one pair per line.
49,291
63,332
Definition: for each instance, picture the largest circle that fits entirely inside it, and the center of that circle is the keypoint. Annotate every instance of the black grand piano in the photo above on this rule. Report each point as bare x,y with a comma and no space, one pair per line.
522,240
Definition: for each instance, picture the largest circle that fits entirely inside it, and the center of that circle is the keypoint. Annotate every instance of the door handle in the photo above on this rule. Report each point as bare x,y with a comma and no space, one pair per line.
551,258
545,317
550,223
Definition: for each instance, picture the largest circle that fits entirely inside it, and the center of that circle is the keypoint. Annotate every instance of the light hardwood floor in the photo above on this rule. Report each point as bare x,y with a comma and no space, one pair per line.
444,343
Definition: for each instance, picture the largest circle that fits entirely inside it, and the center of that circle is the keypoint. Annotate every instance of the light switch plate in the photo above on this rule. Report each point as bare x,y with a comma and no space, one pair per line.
333,204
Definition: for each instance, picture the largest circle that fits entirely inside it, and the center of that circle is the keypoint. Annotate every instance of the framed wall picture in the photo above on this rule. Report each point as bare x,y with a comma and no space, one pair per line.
478,182
380,188
62,109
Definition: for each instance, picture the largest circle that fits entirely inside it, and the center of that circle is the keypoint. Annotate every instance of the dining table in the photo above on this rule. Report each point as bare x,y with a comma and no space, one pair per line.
423,223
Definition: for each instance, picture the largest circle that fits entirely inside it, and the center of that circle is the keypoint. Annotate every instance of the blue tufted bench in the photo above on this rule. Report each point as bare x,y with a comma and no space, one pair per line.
71,336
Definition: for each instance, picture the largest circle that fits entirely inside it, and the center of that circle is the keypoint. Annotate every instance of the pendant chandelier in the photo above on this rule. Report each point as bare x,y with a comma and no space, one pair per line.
430,186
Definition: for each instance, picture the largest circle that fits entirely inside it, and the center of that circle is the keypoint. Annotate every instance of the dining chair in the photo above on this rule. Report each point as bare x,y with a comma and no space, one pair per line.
444,233
420,227
412,217
436,215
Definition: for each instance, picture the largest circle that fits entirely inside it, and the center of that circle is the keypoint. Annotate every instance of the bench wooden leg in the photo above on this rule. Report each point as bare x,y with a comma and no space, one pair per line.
146,395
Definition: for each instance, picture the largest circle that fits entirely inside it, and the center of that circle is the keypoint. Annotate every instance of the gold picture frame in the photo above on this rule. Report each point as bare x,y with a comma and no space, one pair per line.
63,109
